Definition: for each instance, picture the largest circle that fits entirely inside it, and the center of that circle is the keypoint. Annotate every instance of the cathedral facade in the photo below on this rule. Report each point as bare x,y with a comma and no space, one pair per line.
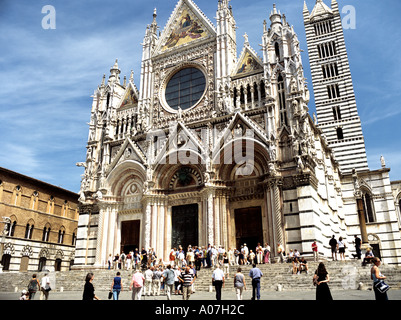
217,146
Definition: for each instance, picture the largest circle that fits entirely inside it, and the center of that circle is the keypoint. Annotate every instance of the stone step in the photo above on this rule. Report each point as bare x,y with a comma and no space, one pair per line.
343,275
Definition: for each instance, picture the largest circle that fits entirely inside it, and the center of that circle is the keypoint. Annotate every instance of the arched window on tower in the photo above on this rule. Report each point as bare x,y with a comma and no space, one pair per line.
277,50
281,100
340,133
368,207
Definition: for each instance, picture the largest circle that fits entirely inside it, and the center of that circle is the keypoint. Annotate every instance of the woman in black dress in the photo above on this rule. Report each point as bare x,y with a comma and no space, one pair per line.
320,280
89,290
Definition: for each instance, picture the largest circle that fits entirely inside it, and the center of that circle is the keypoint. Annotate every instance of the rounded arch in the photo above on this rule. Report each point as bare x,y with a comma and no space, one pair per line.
123,174
172,161
224,160
171,176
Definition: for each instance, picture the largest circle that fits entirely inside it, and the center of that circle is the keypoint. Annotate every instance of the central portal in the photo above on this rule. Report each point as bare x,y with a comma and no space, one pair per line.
130,231
248,227
184,226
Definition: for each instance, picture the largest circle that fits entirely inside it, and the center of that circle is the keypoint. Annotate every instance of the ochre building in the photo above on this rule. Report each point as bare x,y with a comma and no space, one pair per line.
39,224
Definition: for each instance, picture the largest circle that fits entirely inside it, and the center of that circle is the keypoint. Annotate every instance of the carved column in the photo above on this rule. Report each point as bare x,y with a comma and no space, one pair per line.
210,217
100,243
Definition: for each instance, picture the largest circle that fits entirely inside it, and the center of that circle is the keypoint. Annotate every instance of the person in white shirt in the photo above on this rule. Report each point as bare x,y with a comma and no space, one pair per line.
218,281
148,281
246,253
45,287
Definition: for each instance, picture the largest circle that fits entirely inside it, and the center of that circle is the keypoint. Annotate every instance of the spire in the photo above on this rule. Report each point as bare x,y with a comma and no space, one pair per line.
131,78
154,26
320,9
115,73
306,10
275,16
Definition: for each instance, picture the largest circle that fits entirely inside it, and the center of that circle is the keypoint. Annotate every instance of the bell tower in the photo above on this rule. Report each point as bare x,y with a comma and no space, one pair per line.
336,107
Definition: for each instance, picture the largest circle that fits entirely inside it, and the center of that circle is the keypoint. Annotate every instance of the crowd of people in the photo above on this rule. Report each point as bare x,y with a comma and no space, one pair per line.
153,277
202,256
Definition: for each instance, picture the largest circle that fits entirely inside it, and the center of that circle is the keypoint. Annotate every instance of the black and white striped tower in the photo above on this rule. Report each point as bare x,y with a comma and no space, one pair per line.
336,107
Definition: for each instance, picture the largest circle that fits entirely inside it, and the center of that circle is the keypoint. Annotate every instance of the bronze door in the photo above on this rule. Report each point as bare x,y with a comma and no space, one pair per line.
130,235
248,227
184,226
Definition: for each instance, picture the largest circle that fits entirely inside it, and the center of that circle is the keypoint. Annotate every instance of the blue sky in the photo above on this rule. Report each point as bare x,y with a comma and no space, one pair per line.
48,76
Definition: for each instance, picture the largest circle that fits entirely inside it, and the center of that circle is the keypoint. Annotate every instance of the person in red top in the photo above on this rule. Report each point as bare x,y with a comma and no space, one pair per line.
315,251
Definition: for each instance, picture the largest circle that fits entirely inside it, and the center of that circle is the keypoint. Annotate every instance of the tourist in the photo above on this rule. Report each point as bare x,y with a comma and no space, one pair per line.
137,285
220,254
194,275
358,243
218,281
333,245
177,284
266,253
89,290
181,259
116,286
378,280
246,253
172,257
156,281
255,275
204,255
239,283
190,256
226,265
242,256
144,258
209,256
303,266
137,259
341,248
259,253
45,287
33,287
315,251
109,261
231,258
295,266
320,280
368,257
169,280
280,251
116,261
214,256
122,260
186,279
148,281
24,295
291,256
198,259
236,255
251,257
129,261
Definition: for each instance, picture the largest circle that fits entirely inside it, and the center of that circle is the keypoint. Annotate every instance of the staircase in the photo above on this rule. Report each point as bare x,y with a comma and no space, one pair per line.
343,275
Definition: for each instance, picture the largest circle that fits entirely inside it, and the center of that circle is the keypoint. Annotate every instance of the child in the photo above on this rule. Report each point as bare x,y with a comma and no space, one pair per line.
24,295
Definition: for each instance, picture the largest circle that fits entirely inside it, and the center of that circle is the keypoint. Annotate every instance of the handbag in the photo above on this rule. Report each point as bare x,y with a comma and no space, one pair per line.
110,295
381,286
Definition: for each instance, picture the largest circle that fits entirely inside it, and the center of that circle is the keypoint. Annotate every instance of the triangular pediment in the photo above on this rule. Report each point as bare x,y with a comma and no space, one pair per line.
180,138
130,97
239,126
187,26
248,63
129,151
